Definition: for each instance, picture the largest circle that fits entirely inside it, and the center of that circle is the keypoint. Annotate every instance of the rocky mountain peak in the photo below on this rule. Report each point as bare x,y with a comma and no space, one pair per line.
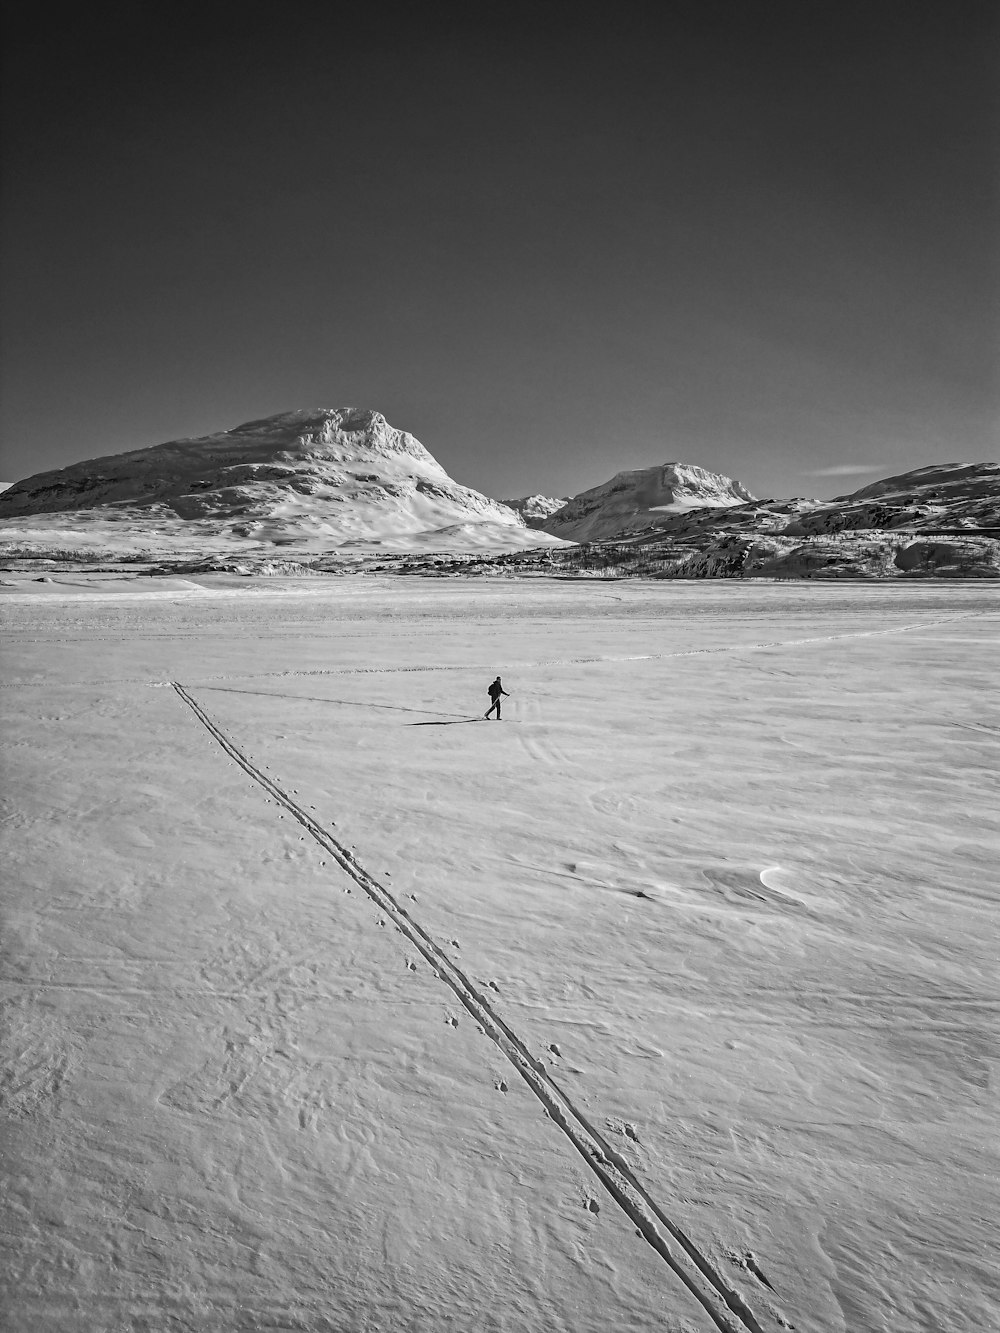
329,432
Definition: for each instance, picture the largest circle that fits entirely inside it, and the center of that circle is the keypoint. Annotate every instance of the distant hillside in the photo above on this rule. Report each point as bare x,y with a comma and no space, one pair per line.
942,521
966,492
633,502
535,509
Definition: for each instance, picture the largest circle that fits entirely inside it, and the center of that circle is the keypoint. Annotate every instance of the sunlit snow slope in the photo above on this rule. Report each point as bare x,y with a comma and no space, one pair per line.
334,476
633,501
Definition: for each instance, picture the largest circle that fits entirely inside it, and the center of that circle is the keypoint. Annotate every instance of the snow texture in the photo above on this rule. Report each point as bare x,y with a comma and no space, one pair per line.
668,1002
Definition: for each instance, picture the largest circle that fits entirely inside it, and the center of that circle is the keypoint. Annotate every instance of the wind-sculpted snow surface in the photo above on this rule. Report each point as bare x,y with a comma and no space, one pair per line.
688,1263
669,1002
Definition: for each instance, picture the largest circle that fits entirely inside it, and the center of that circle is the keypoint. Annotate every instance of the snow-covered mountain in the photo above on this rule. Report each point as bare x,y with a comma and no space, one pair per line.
535,509
681,501
337,476
339,484
940,521
635,501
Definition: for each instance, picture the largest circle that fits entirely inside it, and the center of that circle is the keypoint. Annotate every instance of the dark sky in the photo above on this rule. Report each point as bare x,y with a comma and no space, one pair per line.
552,241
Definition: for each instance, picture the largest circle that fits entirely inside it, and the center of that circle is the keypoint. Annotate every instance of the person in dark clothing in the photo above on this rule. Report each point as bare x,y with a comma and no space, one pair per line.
497,692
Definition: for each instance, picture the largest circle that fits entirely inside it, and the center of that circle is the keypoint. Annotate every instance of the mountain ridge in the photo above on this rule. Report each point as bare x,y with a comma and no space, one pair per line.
338,476
337,482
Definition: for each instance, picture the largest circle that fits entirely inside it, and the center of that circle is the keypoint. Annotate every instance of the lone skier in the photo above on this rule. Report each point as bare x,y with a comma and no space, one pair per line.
497,692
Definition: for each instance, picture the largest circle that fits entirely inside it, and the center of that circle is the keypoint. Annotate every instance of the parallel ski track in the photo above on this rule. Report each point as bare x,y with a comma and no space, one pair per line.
723,1303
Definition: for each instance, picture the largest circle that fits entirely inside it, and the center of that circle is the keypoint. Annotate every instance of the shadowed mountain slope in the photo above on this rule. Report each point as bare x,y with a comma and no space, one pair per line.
961,490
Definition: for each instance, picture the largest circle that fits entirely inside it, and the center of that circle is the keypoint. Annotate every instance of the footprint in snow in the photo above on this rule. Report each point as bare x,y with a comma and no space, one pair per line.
749,1262
622,1127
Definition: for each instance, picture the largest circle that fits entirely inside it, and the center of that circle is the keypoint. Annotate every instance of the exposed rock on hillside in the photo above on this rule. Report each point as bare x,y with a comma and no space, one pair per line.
970,557
941,521
846,555
962,490
957,495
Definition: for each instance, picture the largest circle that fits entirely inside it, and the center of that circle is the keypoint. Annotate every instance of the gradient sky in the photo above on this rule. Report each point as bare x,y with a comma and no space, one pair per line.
757,236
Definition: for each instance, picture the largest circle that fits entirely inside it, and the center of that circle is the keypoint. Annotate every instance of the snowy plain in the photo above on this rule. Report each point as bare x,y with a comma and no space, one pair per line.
669,1002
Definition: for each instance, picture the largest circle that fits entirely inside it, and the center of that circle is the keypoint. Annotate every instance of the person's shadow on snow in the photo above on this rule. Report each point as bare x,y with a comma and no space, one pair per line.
455,722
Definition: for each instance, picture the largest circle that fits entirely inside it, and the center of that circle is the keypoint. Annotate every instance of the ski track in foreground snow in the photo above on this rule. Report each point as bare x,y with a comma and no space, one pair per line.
698,1273
721,889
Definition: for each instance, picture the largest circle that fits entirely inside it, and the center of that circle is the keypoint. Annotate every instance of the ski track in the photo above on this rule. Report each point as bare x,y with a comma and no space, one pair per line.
721,1301
540,662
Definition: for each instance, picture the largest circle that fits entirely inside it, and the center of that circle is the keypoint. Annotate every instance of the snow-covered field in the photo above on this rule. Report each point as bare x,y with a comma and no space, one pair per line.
670,1002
